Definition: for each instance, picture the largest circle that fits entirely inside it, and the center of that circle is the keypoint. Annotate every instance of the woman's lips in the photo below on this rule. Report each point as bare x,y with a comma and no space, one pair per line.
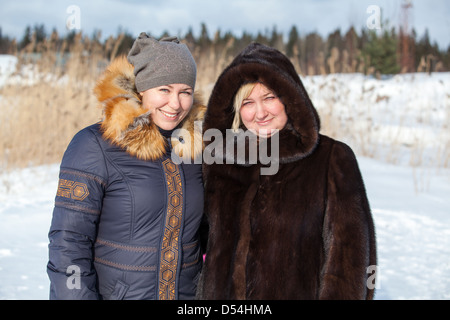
264,123
169,115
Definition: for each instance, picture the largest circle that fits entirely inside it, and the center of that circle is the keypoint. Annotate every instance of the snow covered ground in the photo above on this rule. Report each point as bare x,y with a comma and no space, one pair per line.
410,204
403,118
7,67
413,231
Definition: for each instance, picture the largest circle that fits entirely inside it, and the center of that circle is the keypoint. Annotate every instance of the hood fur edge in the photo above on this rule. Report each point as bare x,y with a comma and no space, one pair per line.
129,126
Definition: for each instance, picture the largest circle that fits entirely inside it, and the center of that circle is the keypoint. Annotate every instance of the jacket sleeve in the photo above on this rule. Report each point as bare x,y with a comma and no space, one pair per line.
349,236
76,214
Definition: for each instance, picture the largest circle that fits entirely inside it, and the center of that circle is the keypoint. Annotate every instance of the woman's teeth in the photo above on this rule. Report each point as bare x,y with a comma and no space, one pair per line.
169,115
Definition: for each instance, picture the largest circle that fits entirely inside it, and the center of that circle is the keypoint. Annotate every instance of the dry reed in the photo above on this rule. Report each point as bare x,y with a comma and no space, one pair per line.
41,112
46,106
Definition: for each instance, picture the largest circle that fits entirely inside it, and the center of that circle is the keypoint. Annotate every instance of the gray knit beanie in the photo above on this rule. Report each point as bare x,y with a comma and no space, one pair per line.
158,63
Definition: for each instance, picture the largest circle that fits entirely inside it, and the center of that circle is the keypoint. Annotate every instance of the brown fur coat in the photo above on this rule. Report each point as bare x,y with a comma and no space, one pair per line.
305,232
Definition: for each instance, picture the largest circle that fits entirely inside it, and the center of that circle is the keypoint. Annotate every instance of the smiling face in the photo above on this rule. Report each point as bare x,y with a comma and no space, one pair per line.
169,104
263,112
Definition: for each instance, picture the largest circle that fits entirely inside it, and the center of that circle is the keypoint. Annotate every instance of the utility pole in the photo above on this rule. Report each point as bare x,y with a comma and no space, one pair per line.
406,56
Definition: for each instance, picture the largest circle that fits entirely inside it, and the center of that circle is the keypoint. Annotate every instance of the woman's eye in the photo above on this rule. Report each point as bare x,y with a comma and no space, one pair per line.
164,90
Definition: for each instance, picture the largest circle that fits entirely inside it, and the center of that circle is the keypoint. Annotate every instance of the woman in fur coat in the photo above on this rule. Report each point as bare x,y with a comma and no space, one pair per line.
127,212
302,231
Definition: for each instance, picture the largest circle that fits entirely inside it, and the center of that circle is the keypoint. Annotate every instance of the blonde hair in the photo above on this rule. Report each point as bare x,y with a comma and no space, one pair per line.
242,94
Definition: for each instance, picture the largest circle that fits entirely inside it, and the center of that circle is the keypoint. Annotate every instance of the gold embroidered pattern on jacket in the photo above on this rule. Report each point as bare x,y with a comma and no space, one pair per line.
72,190
170,245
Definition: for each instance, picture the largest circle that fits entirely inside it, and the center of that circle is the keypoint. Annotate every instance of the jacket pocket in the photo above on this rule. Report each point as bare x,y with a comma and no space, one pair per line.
119,291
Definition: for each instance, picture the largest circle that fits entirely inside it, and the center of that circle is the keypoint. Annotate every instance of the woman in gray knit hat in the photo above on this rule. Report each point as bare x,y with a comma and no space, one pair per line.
127,214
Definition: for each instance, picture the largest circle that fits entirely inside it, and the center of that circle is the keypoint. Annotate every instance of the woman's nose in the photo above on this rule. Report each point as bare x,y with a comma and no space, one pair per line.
174,101
261,111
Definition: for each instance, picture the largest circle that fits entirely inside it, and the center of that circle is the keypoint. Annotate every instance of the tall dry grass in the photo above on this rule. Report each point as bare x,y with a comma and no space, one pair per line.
46,102
50,96
403,120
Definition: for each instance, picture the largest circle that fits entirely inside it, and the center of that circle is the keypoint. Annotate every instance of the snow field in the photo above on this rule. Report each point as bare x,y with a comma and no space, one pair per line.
398,127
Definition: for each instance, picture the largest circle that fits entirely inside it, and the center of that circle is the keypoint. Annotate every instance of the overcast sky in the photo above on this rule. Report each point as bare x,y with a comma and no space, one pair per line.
176,16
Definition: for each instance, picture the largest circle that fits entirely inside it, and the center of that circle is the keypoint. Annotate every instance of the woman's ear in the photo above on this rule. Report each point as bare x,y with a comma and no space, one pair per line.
141,93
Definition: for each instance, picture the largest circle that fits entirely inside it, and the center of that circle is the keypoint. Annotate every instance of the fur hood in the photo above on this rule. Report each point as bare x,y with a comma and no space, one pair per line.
128,125
305,232
259,63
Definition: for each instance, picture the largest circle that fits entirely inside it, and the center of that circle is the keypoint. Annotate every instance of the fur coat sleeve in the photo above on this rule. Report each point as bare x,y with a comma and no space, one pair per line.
348,233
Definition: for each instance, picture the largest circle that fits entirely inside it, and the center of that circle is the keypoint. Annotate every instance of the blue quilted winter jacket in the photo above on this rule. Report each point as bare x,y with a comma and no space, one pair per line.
126,217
